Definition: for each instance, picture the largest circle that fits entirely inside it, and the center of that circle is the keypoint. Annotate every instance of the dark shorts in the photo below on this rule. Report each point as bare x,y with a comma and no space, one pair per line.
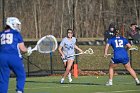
122,61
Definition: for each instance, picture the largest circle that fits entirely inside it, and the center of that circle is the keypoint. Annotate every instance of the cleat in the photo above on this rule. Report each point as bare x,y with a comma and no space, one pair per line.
70,80
62,81
69,77
19,92
138,83
109,84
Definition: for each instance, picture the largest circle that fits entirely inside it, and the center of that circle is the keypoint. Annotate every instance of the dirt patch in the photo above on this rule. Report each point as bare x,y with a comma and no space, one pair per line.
91,73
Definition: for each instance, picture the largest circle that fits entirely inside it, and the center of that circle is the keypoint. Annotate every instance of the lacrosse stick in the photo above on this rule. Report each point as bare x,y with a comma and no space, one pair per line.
46,44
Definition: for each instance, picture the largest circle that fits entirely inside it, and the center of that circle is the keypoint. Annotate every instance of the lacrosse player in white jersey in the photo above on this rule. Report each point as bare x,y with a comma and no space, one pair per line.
66,48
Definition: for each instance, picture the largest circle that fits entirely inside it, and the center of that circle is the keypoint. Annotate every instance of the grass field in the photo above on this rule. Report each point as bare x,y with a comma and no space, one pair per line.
83,84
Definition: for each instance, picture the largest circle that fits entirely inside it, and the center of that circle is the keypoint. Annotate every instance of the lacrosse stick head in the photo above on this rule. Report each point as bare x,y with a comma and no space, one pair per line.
133,47
89,51
47,44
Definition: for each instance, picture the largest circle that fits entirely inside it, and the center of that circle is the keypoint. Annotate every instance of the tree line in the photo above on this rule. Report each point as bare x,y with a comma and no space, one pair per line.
88,18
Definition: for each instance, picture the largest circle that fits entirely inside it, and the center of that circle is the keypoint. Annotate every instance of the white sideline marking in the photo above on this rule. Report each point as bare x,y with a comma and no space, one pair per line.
118,91
49,87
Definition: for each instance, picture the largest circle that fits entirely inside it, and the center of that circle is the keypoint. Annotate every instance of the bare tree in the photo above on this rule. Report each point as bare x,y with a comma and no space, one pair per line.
89,18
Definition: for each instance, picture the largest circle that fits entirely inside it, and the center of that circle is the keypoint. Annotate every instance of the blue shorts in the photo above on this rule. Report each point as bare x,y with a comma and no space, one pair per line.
122,61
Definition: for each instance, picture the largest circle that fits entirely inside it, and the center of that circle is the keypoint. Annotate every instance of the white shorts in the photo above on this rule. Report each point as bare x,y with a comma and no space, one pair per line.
70,58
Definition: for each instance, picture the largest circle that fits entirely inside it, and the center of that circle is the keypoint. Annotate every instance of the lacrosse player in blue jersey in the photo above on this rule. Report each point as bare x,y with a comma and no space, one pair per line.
118,44
10,57
66,48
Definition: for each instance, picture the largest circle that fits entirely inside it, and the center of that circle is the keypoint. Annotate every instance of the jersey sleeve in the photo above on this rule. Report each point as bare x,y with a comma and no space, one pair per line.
125,41
74,39
62,42
109,41
20,39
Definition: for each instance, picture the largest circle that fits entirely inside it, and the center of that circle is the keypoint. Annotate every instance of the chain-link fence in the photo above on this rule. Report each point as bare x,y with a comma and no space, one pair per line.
45,64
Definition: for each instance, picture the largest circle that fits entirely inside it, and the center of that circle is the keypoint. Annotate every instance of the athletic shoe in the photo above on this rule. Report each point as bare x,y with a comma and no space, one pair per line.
70,80
19,92
138,83
62,81
69,75
109,84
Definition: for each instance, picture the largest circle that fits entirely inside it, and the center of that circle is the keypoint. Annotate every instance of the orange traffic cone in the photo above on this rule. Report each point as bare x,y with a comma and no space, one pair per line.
75,70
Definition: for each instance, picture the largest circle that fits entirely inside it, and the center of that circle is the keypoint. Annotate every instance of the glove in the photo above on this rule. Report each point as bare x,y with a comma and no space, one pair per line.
63,57
29,51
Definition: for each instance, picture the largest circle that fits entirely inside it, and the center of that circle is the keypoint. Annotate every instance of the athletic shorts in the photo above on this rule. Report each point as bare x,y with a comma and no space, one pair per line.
122,61
70,58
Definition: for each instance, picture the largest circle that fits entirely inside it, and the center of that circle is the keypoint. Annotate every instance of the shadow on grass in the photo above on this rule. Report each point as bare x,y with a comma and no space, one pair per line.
57,82
83,83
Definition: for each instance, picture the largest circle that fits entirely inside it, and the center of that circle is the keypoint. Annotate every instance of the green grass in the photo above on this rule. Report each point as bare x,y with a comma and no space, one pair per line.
83,84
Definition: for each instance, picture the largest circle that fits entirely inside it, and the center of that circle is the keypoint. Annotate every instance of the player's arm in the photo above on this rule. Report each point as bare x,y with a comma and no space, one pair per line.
76,47
131,47
22,47
128,45
106,50
60,51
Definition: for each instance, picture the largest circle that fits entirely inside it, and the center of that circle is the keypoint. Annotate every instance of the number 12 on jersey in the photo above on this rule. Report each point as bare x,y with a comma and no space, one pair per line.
119,43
